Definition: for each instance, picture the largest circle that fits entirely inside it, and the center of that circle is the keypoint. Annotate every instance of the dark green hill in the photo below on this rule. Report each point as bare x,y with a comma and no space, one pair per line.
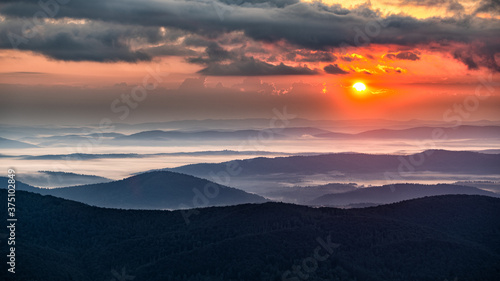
433,238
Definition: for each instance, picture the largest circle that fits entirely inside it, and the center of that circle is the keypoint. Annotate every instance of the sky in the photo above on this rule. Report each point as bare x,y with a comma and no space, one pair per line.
75,61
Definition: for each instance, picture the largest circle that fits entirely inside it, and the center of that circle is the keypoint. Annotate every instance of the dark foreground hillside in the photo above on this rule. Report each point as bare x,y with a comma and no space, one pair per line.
433,238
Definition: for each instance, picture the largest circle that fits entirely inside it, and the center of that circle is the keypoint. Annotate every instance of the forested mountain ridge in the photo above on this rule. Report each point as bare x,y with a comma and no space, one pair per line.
433,238
153,190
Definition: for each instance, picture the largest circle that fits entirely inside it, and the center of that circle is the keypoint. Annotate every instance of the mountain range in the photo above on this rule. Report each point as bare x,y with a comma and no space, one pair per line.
417,133
170,190
434,238
154,190
430,132
395,193
59,179
430,160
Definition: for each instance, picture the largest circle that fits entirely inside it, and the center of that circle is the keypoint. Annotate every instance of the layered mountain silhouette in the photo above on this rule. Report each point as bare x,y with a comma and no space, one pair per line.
304,194
154,190
431,160
159,135
89,156
168,190
433,238
7,143
59,179
395,193
457,132
58,137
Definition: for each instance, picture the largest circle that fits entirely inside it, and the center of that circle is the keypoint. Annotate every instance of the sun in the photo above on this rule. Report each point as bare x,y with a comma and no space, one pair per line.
359,86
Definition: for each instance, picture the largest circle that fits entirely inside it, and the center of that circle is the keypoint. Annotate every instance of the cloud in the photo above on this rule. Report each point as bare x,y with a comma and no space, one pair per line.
334,69
348,58
249,66
261,3
254,84
193,84
390,69
488,6
451,5
362,70
169,50
403,56
353,57
88,42
310,56
214,53
476,55
312,26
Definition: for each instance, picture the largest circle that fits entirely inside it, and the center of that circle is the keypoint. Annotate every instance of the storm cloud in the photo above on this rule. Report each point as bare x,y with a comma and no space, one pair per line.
254,67
125,30
334,69
403,56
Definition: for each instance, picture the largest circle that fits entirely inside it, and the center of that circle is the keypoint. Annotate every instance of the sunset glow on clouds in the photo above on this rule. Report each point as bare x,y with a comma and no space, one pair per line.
423,54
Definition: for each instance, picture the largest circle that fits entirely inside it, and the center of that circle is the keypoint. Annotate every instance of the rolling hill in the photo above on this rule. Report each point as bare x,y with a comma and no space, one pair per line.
395,193
358,163
434,238
159,135
154,190
59,179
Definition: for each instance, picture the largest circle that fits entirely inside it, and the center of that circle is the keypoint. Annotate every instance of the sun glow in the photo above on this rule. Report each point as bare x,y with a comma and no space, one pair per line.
359,86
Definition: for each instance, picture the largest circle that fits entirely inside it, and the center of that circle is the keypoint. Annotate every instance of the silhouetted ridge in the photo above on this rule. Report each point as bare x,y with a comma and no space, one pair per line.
394,193
154,190
430,160
433,238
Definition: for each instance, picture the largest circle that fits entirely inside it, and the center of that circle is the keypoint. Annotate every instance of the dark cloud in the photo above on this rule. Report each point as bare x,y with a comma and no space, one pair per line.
348,58
262,3
310,56
81,42
451,5
193,84
214,53
403,56
466,58
469,56
169,50
248,66
334,69
488,6
313,26
272,58
195,40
